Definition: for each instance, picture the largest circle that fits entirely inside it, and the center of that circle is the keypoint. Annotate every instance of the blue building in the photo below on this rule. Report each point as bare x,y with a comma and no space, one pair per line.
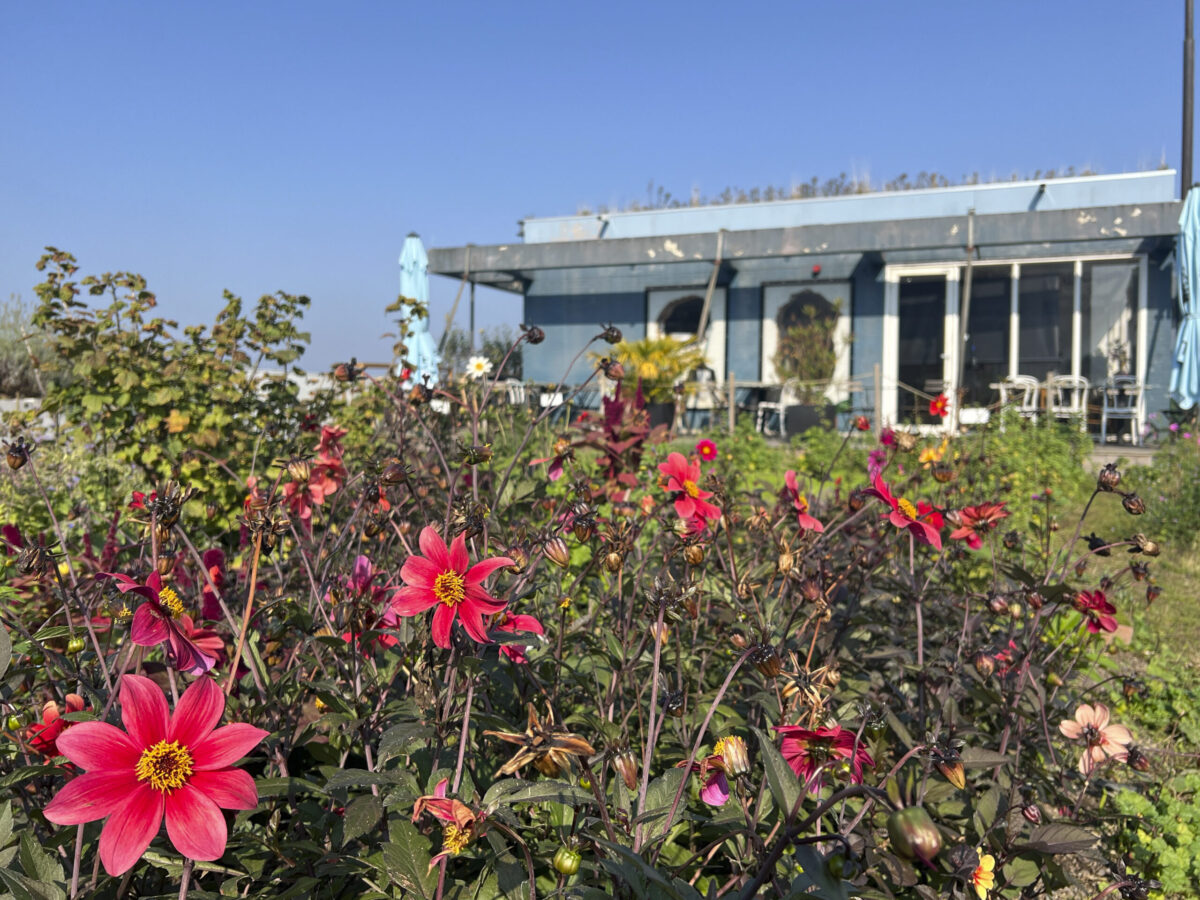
1067,276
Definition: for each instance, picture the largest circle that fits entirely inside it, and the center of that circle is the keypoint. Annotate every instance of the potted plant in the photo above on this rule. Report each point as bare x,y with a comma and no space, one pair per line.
805,359
656,365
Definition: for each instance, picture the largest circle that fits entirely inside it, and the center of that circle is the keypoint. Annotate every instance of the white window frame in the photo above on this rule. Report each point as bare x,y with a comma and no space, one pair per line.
775,296
658,299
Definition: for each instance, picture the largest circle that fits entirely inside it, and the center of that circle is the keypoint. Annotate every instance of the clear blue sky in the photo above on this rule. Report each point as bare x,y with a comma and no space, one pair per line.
292,146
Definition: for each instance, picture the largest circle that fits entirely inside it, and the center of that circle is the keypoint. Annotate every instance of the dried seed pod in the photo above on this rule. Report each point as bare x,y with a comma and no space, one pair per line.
1134,505
613,561
555,550
694,554
626,765
533,334
1109,478
765,658
611,334
985,665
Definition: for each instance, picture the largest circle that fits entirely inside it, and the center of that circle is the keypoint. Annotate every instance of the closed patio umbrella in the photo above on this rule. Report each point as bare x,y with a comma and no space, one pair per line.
422,356
1185,371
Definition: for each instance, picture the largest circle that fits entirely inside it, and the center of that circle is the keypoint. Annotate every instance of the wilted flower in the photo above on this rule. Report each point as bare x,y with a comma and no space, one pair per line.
626,764
544,744
154,623
555,550
533,334
612,369
1104,740
1143,544
445,578
1134,505
462,823
714,768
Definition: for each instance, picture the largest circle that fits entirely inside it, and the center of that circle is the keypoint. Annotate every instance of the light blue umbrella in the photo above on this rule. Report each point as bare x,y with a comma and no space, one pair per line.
1185,372
422,357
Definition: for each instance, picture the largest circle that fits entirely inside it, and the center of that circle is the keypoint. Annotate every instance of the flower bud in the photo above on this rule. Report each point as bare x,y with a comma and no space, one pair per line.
1032,813
611,334
984,664
766,660
1035,600
298,469
998,605
862,423
856,501
1134,505
75,645
394,472
1016,611
1139,571
694,554
913,834
626,765
612,369
533,334
943,473
520,557
953,772
1109,478
17,455
555,550
1152,592
613,561
566,861
1054,680
736,756
1137,760
166,564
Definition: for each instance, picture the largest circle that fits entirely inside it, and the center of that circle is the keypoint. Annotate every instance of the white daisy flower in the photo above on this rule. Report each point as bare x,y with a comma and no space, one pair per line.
478,367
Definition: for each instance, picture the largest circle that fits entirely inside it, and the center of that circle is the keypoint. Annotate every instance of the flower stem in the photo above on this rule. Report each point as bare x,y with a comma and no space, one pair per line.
185,879
237,656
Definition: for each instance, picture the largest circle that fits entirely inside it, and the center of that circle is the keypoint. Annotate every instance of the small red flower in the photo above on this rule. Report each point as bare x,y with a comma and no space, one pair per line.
44,734
154,623
707,450
1099,612
862,423
971,520
514,624
179,765
462,824
939,406
442,578
922,520
800,502
809,752
682,479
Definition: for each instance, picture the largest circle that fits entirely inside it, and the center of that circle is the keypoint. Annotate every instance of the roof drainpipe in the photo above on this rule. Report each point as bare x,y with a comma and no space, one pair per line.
1185,167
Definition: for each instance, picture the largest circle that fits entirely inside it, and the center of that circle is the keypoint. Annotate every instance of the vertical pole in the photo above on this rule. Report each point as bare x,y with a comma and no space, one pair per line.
1185,166
732,401
963,316
472,316
878,401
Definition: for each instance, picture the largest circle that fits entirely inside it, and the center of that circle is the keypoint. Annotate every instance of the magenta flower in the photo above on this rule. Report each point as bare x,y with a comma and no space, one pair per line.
514,624
445,578
707,450
154,623
922,521
179,766
809,752
683,479
1099,612
800,503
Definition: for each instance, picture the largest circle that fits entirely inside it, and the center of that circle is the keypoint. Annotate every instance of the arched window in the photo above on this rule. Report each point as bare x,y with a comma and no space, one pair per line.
681,317
805,308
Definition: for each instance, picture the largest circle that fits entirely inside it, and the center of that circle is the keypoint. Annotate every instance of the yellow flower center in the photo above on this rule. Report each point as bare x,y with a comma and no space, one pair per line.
907,508
454,839
124,612
166,766
690,488
802,504
448,588
719,748
171,601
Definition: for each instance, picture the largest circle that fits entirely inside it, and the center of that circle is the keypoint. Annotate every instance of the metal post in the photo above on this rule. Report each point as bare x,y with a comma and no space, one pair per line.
878,402
472,316
964,316
732,401
1185,166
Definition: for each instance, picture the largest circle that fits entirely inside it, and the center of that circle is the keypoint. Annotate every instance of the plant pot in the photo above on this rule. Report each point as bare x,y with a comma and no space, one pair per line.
798,419
661,414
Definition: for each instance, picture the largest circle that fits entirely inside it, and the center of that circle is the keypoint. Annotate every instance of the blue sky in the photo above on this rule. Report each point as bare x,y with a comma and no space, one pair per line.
292,146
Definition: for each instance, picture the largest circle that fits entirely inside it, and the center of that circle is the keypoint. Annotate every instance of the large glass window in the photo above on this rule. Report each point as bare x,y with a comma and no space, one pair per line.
985,357
1109,319
1047,295
922,342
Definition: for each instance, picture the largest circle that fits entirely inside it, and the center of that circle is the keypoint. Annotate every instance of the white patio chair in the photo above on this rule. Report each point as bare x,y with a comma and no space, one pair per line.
1020,392
1122,400
1068,398
770,408
514,391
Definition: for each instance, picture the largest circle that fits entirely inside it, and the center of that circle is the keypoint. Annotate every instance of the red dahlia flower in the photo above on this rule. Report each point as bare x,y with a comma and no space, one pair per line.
360,587
683,479
939,406
1099,612
922,520
809,752
862,423
800,502
461,823
43,735
154,623
513,625
177,765
442,578
971,520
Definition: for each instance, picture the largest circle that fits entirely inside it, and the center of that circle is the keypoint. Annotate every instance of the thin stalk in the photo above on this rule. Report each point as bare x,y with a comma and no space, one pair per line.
237,656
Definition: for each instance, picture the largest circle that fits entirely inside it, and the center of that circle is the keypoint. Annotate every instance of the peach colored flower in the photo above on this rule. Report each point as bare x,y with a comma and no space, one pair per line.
1104,740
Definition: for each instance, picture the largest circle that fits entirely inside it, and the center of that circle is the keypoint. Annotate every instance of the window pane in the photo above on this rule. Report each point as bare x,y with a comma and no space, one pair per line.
985,360
922,324
1109,323
1046,297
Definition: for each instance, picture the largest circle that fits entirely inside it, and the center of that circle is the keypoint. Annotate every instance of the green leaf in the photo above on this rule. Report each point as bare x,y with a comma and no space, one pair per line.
362,814
36,862
406,860
512,791
6,823
5,650
659,796
396,740
1059,838
23,888
977,757
348,778
52,633
785,786
1021,871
